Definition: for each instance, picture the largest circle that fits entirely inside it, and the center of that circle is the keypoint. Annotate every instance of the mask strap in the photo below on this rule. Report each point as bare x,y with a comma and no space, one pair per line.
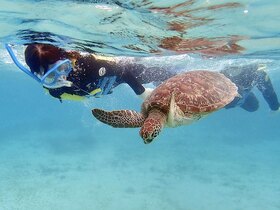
19,65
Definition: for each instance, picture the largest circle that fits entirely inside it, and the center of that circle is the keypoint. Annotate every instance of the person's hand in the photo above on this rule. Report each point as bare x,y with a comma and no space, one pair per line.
146,93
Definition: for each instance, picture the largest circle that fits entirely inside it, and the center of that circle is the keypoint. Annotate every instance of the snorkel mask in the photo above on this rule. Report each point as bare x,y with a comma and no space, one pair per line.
55,76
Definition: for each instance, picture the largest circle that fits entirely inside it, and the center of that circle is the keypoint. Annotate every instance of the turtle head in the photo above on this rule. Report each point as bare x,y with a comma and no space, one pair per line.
152,125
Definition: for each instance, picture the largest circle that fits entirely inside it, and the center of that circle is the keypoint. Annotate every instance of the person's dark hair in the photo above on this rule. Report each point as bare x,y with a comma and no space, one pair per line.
37,55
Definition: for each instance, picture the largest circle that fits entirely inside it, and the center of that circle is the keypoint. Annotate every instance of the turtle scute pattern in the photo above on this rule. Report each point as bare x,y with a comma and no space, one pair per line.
196,92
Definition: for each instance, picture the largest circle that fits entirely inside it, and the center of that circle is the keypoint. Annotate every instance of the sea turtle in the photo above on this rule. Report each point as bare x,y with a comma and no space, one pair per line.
180,100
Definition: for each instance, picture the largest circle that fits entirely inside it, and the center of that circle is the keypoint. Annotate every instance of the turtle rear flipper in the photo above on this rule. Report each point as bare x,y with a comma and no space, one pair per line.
119,118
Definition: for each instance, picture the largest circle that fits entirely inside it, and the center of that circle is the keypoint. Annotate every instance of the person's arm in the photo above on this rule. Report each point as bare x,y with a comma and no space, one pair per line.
265,86
124,73
137,87
132,81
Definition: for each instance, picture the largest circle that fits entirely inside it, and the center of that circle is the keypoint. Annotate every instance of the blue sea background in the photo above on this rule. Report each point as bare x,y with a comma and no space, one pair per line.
56,156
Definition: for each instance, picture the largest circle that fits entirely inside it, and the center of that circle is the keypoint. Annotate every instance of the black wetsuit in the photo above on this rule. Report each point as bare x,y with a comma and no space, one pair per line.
245,79
87,76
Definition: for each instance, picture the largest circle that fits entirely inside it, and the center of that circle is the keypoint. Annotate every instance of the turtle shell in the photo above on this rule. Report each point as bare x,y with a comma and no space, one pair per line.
195,92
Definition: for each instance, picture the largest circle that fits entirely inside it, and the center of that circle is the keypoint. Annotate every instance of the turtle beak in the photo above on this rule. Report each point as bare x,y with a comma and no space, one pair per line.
148,135
147,140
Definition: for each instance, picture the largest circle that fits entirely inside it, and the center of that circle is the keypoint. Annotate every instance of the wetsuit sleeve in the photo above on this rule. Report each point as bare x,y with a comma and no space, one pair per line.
124,73
132,81
265,86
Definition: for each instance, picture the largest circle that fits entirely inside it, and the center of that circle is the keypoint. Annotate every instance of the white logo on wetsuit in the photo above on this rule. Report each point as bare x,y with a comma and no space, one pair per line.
102,71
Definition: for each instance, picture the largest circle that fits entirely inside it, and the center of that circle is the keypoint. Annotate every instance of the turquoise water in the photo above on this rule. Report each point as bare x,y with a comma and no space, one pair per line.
57,156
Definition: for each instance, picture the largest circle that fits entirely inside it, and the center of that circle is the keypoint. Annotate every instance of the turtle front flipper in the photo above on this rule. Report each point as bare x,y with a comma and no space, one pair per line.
119,118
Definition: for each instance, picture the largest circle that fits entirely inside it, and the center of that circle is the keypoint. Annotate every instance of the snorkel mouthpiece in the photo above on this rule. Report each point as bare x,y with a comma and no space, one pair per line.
67,83
59,84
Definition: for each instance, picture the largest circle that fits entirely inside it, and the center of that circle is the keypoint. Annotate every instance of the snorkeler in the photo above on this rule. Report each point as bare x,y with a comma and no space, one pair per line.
72,75
246,78
75,76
